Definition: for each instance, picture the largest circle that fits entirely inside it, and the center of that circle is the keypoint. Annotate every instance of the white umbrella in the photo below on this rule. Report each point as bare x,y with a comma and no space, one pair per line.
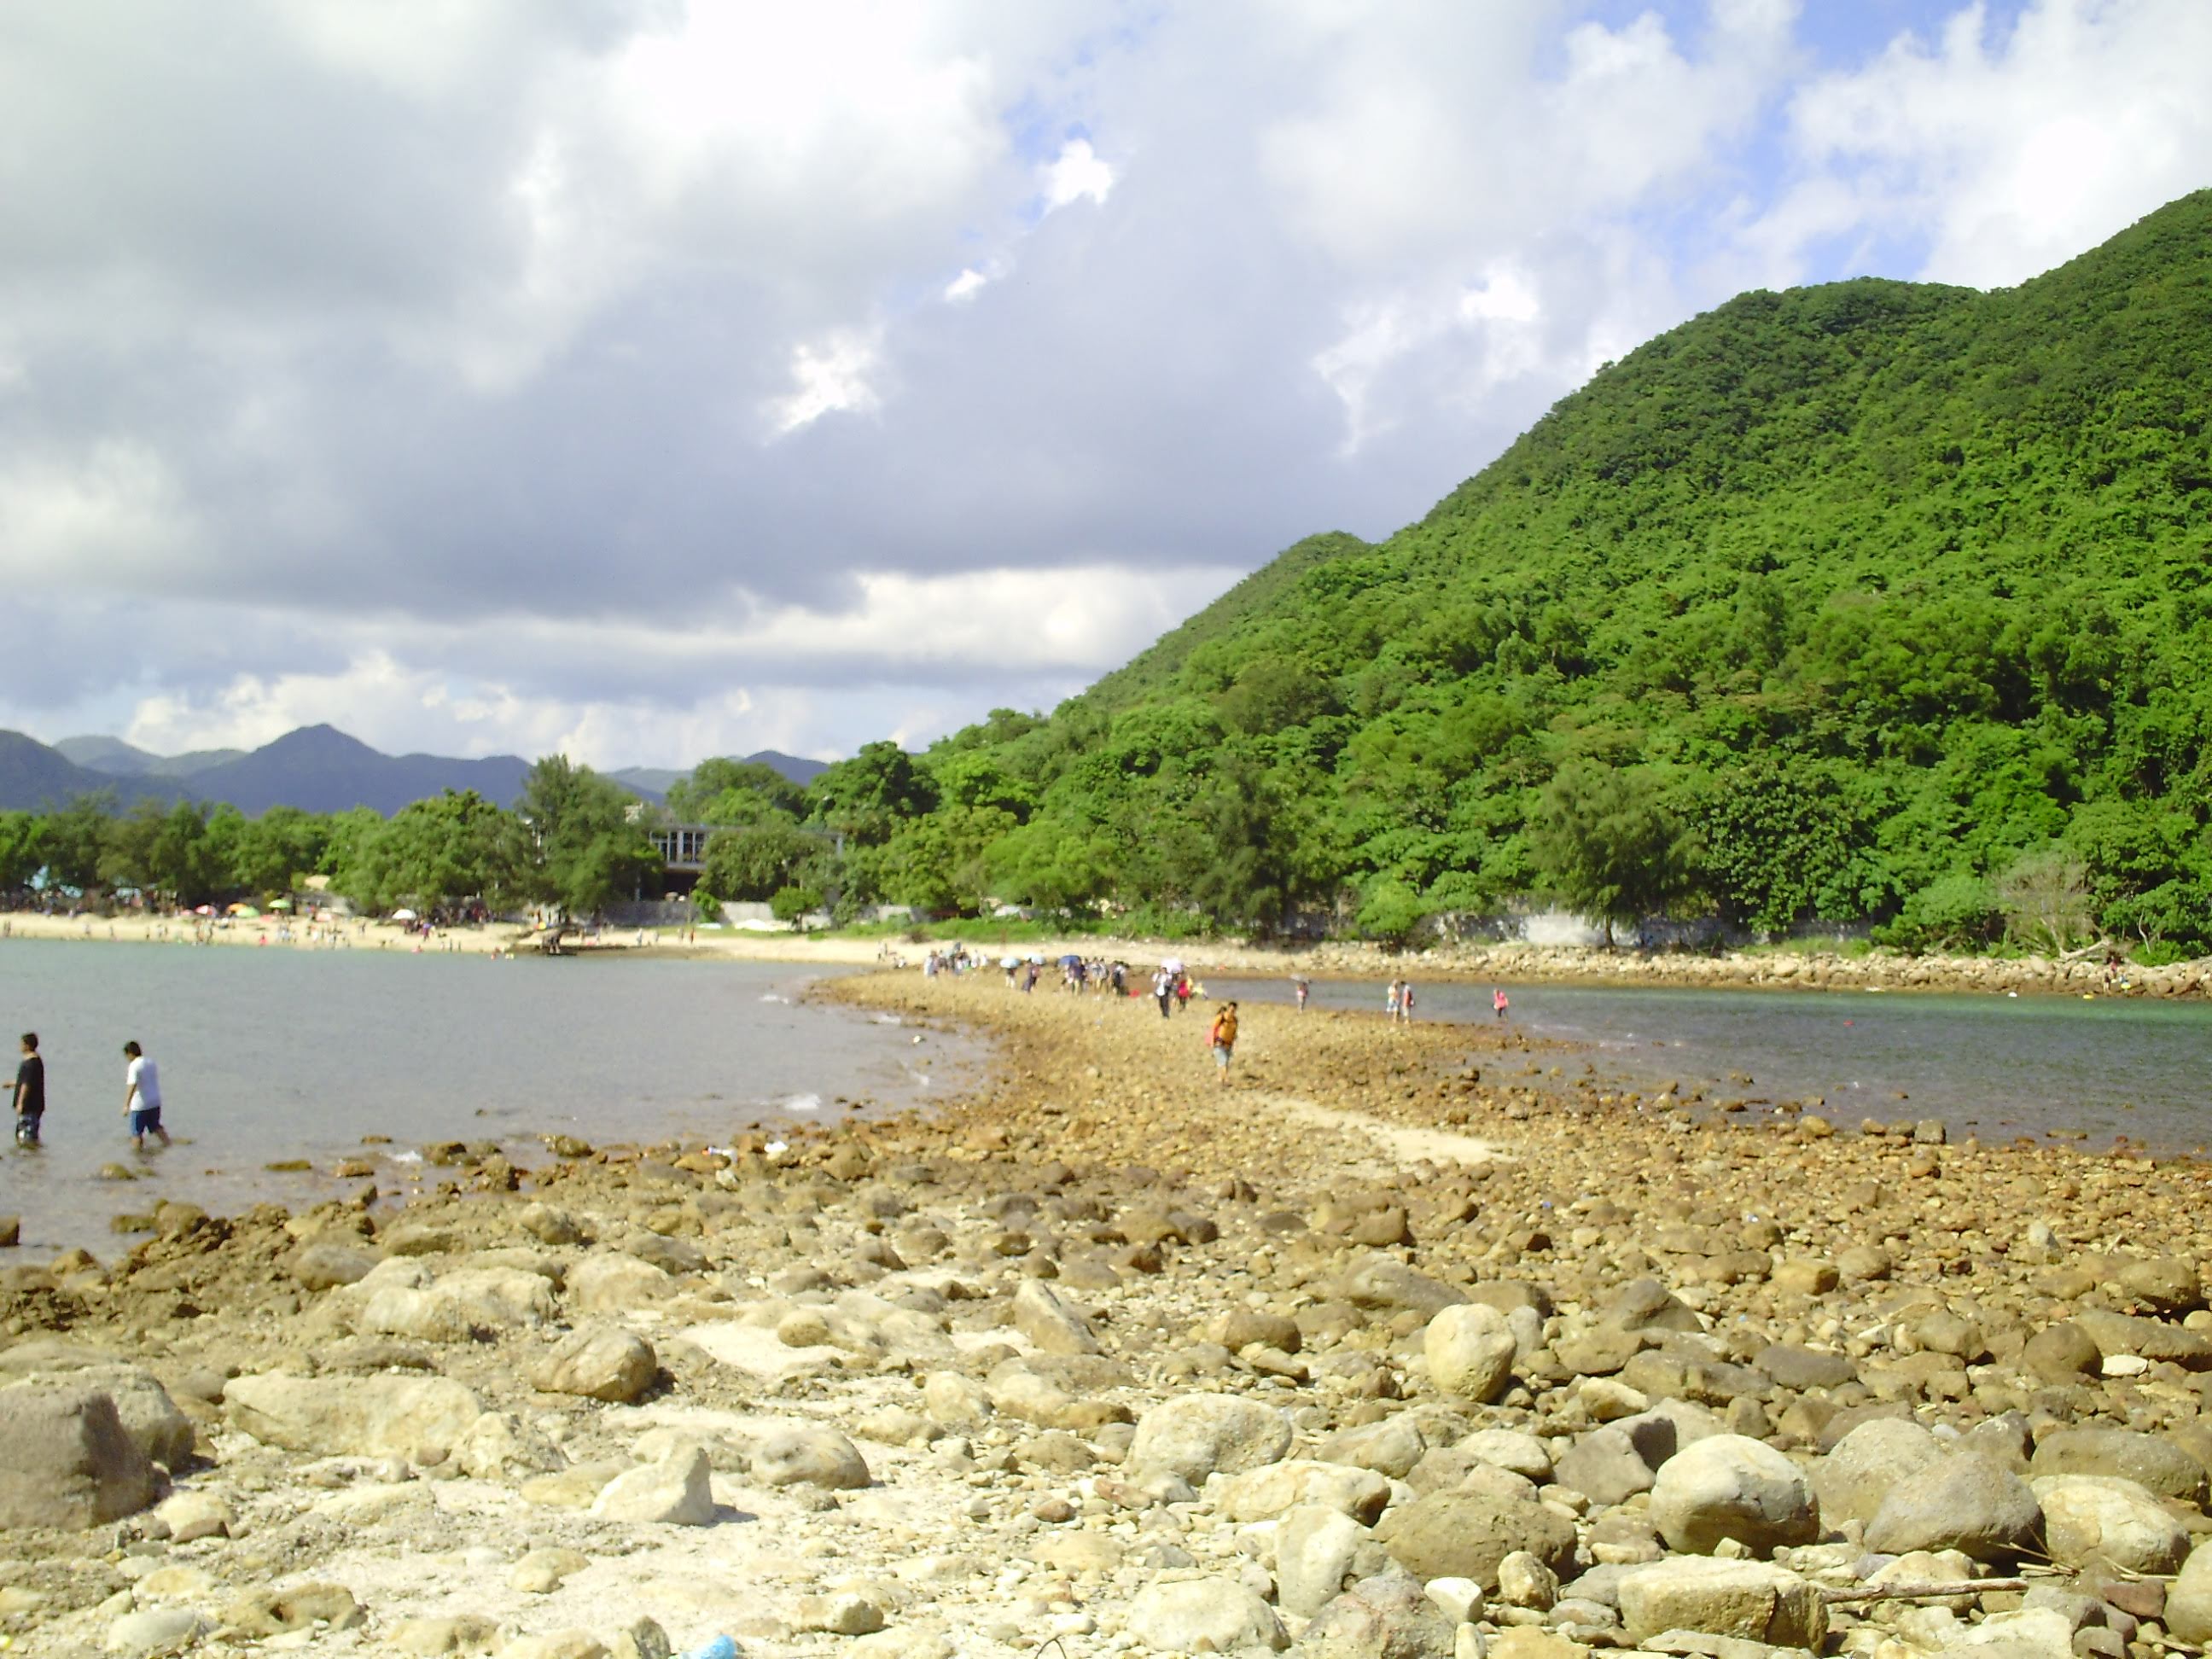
404,915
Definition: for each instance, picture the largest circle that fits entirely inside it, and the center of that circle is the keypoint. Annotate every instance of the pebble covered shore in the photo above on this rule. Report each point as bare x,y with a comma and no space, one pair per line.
1413,1342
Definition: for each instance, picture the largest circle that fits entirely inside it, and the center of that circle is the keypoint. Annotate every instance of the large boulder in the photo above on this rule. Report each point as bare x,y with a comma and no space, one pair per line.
1386,1617
472,1303
1204,1615
1852,1479
807,1453
1605,1467
1465,1535
1318,1551
612,1281
1390,1447
673,1492
1752,1599
1731,1487
149,1416
1196,1435
2146,1459
1263,1493
1050,1322
2189,1602
420,1419
598,1363
1962,1502
1383,1281
2120,1335
2110,1525
1470,1351
65,1460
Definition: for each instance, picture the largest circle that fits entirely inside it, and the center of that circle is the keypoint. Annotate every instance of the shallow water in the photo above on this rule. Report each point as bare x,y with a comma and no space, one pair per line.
1996,1066
272,1055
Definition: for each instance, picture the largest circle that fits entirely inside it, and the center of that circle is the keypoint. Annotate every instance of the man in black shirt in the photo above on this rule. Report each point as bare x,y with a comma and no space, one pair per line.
30,1093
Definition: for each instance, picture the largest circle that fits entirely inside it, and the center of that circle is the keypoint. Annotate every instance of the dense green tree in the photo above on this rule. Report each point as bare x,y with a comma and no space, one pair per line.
71,841
748,866
436,854
584,841
867,797
1609,844
729,792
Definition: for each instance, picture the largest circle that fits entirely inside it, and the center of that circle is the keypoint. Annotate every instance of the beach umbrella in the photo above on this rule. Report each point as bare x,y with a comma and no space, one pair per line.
205,910
280,904
244,910
1069,960
1010,962
404,915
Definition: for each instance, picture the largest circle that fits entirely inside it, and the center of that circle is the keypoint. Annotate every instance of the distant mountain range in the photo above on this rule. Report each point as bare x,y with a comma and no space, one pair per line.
318,769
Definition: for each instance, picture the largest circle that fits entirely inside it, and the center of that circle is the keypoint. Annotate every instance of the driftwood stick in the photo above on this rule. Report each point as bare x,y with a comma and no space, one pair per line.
1924,1592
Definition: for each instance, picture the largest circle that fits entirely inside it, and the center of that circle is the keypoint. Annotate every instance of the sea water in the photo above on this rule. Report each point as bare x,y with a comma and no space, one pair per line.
268,1056
1994,1066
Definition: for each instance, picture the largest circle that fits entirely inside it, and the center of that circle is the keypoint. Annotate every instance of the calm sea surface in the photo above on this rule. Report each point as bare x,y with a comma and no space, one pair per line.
277,1054
1999,1066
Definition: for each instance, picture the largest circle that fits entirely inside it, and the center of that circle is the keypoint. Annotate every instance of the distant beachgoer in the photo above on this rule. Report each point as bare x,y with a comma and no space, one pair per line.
1163,989
1497,1000
1390,1001
30,1093
1221,1037
142,1095
1030,979
1406,1002
1301,988
1183,991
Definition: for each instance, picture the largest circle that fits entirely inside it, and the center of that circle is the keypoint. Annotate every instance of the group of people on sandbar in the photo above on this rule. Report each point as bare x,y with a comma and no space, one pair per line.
141,1094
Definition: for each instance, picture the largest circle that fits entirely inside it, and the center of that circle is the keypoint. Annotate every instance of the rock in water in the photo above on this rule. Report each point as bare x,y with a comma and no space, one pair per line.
1732,1486
1962,1502
1196,1435
417,1418
1470,1351
598,1363
65,1460
673,1491
1753,1600
1178,1615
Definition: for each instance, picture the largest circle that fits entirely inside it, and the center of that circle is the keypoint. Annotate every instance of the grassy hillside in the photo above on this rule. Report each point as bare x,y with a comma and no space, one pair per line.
1873,600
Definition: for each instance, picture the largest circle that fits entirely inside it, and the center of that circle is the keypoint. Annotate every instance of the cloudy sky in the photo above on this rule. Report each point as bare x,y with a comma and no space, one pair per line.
649,379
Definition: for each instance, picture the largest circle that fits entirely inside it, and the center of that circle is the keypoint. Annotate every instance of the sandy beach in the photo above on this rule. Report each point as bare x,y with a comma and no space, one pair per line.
1771,970
1412,1341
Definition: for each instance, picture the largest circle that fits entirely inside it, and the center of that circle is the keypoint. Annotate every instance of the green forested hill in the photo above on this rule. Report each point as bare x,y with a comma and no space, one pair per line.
1873,600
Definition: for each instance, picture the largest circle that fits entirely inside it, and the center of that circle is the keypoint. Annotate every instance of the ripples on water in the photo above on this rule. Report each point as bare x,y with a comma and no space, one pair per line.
275,1053
1996,1066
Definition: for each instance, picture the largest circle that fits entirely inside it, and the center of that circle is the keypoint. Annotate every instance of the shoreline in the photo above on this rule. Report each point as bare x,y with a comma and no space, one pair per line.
1101,1351
1781,969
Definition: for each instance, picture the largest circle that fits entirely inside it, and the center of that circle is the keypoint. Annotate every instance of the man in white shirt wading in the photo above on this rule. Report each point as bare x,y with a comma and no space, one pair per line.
141,1096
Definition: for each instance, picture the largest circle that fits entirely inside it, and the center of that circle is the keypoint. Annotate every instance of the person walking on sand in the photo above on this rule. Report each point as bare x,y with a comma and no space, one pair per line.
142,1095
30,1092
1221,1037
1301,988
1390,1001
1163,989
1497,1000
1406,1002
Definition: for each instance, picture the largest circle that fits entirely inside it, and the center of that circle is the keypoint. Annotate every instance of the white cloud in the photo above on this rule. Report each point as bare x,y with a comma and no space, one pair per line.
832,375
2008,147
1077,173
494,311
